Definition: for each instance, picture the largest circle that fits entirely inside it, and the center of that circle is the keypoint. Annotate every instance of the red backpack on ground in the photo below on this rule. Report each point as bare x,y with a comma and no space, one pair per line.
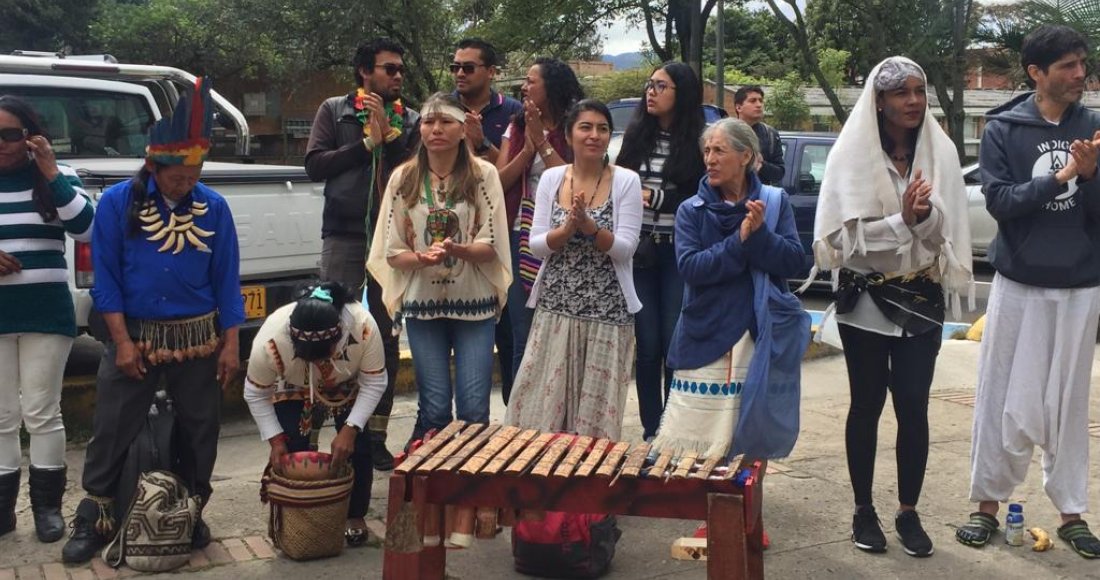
565,545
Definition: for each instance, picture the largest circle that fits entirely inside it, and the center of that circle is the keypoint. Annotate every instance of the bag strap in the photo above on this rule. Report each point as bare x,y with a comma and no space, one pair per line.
773,201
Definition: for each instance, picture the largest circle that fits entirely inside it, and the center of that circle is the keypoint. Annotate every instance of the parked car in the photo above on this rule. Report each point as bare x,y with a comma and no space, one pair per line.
983,228
98,113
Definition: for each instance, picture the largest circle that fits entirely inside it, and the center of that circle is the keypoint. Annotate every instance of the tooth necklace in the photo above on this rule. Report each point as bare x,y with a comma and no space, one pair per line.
179,230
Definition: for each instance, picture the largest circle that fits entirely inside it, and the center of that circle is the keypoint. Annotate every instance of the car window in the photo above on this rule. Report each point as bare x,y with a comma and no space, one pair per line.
811,168
90,123
621,115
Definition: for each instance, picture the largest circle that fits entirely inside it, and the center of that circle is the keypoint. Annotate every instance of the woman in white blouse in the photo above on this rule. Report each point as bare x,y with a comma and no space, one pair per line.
576,369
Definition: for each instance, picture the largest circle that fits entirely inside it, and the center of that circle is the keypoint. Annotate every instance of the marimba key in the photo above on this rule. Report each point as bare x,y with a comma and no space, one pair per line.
429,447
573,457
611,463
685,464
468,450
495,445
593,458
657,471
557,448
443,454
528,454
512,449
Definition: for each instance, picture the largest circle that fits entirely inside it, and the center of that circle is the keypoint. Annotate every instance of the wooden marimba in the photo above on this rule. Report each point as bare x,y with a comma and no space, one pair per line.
492,467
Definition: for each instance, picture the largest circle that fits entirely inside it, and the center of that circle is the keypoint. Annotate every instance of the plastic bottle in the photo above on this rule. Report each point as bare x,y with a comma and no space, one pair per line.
1014,525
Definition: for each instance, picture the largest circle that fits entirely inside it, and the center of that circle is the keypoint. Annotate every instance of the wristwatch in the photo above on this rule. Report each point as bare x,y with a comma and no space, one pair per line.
368,143
484,146
357,428
548,151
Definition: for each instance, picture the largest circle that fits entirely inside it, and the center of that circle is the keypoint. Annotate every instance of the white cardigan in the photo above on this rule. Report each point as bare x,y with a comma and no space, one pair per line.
626,212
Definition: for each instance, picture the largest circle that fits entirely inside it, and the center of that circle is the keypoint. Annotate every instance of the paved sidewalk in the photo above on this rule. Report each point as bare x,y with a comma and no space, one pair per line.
807,508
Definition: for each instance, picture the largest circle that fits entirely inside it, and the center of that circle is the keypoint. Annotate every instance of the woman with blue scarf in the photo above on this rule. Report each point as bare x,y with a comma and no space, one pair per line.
737,349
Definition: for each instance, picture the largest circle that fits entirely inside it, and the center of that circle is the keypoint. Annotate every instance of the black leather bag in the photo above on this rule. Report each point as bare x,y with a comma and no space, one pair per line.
151,450
645,256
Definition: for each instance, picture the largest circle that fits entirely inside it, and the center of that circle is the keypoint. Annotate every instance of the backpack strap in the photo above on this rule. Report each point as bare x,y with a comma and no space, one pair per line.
773,202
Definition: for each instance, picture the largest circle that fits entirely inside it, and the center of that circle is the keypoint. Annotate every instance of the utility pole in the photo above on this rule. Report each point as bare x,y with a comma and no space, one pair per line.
720,58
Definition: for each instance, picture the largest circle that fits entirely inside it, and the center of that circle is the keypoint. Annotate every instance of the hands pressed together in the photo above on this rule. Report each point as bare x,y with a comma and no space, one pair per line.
1083,157
915,205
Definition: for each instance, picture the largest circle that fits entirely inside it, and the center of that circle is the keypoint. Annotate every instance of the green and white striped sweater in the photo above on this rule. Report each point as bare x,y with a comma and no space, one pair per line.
37,299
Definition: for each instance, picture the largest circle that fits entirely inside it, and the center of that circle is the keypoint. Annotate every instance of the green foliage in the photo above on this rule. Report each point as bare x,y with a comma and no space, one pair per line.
787,103
46,25
1003,28
834,64
756,43
870,30
734,77
618,85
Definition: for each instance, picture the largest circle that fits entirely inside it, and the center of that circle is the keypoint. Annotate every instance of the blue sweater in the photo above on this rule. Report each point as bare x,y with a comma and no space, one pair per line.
717,271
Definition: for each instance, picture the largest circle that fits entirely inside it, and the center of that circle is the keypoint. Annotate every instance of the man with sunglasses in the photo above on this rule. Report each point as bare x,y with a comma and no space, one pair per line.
356,141
489,112
748,103
487,116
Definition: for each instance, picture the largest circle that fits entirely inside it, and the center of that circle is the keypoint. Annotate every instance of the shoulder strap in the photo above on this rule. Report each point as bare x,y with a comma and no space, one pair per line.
773,202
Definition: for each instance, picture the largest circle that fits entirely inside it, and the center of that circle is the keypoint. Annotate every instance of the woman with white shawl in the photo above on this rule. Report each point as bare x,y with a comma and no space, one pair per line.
892,225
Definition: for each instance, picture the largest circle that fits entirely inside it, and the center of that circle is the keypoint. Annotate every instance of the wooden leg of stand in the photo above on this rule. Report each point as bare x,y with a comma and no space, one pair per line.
755,549
433,559
726,551
398,565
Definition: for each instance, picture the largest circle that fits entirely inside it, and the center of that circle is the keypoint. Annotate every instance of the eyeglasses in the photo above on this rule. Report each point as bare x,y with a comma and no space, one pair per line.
12,134
393,69
466,67
657,87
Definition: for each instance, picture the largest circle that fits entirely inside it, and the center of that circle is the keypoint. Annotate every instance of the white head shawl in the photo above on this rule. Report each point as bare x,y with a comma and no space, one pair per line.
857,186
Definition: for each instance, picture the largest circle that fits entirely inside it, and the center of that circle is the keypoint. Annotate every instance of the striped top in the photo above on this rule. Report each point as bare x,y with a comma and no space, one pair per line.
650,172
38,299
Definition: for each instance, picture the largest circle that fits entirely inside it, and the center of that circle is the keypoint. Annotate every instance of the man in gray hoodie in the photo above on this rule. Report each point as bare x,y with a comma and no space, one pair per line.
1039,174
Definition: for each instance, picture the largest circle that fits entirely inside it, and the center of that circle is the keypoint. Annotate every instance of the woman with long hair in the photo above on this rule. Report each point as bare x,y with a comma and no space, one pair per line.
575,375
322,349
442,259
41,202
533,142
892,222
670,165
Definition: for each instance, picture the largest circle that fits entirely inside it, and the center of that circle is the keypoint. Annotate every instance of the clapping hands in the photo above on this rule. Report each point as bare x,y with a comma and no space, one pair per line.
915,205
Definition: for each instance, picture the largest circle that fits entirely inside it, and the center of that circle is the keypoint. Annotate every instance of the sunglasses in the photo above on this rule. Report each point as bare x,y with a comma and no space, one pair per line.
393,69
12,134
657,87
466,67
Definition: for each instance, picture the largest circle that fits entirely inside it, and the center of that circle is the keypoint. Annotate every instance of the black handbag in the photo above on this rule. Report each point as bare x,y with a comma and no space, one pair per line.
151,450
645,255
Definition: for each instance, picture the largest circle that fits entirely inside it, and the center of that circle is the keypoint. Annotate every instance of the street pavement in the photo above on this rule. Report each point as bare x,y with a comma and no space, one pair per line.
807,513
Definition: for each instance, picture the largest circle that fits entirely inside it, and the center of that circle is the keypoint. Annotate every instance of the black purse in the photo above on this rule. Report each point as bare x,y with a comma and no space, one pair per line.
645,255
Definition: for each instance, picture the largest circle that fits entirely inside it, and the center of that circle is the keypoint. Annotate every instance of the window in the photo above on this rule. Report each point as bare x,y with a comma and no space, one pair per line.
811,169
90,123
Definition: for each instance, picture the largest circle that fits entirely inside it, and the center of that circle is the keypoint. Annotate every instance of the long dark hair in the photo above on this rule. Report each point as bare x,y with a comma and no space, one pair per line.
685,161
139,193
20,109
316,314
563,90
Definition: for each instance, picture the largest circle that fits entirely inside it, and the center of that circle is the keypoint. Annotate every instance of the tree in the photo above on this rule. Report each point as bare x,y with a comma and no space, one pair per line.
834,64
1004,28
797,26
941,51
787,103
46,25
869,31
756,43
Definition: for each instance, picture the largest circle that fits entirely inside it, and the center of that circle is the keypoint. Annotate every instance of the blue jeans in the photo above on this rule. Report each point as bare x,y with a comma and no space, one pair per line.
518,313
431,343
661,290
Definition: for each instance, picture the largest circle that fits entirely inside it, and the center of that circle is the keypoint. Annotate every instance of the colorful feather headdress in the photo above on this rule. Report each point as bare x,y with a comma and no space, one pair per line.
184,138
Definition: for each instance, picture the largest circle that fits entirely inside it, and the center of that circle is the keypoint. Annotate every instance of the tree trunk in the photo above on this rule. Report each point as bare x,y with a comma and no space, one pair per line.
798,31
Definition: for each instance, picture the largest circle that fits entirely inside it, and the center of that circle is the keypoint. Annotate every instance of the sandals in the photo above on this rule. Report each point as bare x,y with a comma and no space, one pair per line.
1078,536
355,537
979,530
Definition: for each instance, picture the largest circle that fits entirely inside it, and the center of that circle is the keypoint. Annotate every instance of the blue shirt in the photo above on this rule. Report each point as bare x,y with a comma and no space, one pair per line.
496,116
133,278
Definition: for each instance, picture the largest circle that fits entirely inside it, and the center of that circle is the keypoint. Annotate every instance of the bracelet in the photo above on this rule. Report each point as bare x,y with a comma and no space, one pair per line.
393,134
368,143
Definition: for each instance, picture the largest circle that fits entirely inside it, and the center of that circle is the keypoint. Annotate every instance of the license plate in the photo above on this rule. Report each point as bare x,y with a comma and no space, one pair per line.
255,301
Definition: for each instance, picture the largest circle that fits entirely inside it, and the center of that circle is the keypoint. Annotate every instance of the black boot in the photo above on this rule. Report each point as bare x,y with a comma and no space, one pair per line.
47,489
92,528
380,457
9,490
200,536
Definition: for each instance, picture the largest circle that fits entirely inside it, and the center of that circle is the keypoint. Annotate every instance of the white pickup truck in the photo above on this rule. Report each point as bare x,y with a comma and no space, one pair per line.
97,114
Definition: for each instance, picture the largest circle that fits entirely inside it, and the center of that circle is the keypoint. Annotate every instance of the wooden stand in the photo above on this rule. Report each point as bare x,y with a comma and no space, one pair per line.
733,515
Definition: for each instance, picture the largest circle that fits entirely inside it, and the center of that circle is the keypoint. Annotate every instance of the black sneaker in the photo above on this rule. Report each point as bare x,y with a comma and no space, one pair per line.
866,532
912,536
87,537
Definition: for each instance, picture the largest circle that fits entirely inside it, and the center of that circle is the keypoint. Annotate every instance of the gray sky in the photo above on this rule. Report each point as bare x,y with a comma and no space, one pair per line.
619,37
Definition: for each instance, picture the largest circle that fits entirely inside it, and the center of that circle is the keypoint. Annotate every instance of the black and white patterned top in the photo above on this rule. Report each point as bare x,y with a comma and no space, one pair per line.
579,280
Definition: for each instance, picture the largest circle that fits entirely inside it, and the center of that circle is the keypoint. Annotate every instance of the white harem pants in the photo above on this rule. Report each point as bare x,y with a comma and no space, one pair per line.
1033,389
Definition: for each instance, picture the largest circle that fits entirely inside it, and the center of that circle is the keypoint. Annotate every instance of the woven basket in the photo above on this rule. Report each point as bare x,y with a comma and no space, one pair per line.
307,517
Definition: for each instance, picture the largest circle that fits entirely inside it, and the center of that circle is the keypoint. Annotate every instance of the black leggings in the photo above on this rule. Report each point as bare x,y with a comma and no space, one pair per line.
904,366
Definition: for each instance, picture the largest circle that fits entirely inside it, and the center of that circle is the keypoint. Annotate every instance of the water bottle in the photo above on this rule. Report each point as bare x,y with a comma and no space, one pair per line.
1014,525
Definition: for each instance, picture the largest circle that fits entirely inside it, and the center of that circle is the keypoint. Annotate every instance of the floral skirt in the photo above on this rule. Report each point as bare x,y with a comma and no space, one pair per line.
574,377
703,404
